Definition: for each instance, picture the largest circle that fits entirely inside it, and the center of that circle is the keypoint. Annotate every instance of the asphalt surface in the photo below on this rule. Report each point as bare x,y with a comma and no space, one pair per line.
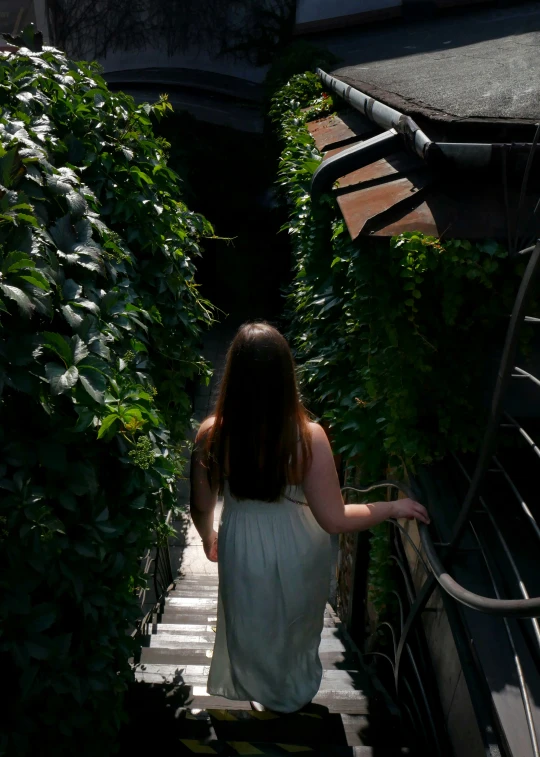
479,65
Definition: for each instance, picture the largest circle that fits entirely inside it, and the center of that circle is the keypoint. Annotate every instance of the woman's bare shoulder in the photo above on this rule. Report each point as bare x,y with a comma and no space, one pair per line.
318,434
205,427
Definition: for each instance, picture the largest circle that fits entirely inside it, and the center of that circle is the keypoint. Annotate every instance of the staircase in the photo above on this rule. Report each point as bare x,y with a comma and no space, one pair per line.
170,708
347,717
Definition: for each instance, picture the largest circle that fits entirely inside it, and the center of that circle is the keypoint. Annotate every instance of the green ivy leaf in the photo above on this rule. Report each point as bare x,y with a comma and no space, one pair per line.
108,425
79,349
60,379
23,300
94,382
58,344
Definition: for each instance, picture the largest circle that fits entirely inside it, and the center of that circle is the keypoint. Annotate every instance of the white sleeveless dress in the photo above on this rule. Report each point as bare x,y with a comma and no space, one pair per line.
274,565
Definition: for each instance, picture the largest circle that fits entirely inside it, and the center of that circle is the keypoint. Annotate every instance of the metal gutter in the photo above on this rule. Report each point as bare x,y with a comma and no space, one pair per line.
462,155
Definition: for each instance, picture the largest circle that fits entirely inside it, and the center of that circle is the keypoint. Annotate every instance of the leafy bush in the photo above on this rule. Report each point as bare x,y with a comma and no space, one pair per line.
393,338
295,59
100,321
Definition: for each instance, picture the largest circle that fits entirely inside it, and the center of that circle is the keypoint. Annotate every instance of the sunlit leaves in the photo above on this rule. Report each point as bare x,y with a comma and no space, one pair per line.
390,338
60,378
99,331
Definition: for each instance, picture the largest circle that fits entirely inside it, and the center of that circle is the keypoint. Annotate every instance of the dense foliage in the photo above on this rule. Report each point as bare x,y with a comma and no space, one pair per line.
393,338
296,58
388,335
100,320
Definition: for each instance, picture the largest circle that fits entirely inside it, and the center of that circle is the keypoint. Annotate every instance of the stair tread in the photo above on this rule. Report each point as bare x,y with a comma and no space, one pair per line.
160,655
311,727
332,680
194,602
206,631
194,590
183,617
198,641
336,700
230,748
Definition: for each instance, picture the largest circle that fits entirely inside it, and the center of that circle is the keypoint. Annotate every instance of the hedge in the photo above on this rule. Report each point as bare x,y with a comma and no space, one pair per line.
100,320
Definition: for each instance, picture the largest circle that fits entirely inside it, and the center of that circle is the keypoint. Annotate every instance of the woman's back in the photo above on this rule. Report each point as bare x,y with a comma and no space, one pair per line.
274,569
274,551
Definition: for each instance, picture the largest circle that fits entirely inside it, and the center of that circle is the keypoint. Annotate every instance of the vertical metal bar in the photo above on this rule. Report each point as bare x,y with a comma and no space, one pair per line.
517,662
525,181
503,377
508,553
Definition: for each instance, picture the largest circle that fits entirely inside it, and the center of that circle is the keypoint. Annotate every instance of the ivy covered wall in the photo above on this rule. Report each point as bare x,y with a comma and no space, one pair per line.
393,337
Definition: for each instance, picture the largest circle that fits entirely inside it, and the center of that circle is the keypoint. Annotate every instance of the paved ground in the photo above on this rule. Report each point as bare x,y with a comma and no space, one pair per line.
481,64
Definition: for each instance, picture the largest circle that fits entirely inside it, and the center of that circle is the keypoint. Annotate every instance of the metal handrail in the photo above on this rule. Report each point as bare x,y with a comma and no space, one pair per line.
162,578
433,563
517,608
520,608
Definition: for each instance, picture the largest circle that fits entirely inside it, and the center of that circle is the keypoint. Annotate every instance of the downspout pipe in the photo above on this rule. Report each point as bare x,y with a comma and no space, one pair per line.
463,155
353,158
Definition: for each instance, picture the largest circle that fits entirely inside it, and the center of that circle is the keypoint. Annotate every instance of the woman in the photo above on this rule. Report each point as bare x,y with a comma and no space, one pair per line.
282,500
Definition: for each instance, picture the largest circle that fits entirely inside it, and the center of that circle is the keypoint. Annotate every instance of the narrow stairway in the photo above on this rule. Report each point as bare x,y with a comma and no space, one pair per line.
347,717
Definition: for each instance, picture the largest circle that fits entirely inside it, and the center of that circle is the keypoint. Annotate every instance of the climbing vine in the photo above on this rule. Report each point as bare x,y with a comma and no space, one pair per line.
392,338
100,320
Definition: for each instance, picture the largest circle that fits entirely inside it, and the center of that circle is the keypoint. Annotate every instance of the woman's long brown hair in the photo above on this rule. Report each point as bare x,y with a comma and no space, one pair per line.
260,440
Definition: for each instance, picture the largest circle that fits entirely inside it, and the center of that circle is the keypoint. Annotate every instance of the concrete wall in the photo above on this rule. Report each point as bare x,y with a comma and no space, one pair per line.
456,703
157,57
16,14
308,11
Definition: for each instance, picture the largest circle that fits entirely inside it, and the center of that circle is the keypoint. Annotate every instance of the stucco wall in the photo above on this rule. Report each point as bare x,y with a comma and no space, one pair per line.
308,11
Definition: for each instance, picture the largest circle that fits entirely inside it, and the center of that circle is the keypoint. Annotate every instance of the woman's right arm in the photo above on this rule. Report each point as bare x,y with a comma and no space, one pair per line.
323,493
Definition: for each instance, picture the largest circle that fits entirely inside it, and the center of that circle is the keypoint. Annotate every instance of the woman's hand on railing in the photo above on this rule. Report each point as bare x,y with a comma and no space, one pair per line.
409,509
211,547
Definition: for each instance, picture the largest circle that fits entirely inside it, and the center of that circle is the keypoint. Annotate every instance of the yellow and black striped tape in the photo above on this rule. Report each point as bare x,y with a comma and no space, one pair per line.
245,714
244,747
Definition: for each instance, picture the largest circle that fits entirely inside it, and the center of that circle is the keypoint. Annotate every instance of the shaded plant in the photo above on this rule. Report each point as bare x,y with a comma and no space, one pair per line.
392,337
100,319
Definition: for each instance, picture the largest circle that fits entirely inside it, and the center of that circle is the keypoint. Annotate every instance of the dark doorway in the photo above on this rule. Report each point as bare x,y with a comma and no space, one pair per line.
228,177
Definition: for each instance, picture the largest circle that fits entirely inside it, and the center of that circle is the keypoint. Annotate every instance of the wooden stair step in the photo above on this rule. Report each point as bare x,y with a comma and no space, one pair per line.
233,748
158,655
178,657
338,695
207,632
206,604
198,698
197,675
194,591
188,617
171,640
183,617
188,612
310,727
